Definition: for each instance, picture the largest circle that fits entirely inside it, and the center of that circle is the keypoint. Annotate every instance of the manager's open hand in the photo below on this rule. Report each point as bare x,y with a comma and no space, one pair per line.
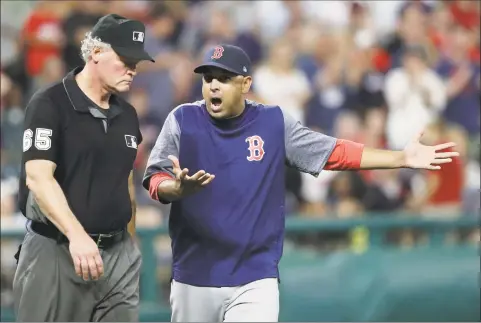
190,184
421,156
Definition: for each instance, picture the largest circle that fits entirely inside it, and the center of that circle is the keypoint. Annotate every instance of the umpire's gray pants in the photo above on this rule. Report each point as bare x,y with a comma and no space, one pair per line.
46,287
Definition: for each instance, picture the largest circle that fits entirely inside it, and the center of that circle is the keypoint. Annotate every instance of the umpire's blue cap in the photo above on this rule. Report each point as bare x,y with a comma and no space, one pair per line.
227,57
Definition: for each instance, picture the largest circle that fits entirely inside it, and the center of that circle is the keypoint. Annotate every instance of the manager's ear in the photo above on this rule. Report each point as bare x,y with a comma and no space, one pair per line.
246,84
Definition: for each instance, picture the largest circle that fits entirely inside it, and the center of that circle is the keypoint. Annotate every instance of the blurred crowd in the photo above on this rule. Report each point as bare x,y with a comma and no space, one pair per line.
375,72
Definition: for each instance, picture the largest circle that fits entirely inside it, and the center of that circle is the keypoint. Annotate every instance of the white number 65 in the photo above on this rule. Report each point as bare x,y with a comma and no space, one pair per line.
42,139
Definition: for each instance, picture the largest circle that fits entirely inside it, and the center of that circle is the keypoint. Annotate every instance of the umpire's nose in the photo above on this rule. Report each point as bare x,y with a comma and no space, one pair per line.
132,71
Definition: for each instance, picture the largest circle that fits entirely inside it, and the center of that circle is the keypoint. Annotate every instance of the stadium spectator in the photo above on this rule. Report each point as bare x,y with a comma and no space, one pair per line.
156,79
279,80
412,30
77,23
443,195
462,78
415,96
42,35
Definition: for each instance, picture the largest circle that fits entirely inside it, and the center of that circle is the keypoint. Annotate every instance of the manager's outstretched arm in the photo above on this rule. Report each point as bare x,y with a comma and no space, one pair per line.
415,155
311,152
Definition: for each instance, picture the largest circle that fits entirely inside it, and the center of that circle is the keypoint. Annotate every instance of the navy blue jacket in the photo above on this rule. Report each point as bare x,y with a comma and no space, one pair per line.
231,233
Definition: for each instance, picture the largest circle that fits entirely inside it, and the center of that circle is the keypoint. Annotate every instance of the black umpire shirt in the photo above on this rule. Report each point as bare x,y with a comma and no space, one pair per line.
94,151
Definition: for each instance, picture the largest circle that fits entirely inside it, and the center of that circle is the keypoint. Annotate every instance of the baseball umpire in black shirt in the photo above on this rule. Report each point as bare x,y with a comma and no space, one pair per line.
78,261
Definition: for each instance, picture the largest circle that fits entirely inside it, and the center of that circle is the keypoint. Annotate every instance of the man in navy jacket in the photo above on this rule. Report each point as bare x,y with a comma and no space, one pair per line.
227,216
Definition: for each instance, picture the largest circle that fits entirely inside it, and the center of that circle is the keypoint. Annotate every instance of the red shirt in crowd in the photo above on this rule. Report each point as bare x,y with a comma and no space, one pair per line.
42,35
451,182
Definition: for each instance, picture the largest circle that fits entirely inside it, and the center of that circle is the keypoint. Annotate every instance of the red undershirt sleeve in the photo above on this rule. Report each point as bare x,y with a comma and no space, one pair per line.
155,182
159,168
346,155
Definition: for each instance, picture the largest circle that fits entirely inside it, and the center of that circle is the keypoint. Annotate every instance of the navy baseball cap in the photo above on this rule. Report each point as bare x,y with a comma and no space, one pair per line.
227,57
125,36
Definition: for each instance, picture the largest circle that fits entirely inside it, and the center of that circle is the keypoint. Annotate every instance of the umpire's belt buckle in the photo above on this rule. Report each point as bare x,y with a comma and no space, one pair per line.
99,239
100,236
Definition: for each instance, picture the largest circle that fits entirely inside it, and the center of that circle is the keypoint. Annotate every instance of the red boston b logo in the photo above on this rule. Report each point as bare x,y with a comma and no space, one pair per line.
217,52
256,148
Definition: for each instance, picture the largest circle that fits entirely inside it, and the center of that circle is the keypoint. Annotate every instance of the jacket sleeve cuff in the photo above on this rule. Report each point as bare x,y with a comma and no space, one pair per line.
155,181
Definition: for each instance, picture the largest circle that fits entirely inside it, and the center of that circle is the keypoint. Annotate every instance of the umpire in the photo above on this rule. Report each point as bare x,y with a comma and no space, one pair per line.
78,261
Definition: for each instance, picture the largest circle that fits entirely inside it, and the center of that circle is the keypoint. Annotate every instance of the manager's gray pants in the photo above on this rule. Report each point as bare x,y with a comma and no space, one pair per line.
46,287
257,301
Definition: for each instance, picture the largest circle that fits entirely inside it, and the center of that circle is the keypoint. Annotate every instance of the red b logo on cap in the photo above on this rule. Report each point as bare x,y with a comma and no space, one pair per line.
217,52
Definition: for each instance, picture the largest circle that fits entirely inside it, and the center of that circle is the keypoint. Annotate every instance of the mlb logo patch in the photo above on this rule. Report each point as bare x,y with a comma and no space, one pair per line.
131,141
138,36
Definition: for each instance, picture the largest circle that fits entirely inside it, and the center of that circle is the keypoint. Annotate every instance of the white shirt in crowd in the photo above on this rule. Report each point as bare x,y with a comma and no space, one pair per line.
409,112
288,88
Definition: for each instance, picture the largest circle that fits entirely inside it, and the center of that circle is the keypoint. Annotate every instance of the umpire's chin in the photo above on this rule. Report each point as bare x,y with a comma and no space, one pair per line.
123,86
120,87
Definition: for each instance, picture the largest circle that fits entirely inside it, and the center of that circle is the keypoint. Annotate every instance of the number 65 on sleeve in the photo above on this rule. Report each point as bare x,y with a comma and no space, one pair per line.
41,130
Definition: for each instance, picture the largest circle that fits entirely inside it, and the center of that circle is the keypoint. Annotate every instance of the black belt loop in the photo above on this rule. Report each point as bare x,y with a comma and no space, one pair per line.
60,237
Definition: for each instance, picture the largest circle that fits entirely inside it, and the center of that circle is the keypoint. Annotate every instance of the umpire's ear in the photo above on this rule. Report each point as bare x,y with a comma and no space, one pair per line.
95,55
246,84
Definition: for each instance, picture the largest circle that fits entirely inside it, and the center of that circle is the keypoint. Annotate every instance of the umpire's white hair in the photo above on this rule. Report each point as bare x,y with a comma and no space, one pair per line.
88,44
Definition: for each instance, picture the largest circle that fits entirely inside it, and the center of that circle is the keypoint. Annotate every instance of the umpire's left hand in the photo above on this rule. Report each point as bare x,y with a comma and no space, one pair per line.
86,256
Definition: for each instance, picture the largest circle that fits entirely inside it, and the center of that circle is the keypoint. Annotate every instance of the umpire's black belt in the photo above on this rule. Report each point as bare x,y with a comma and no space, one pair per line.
103,241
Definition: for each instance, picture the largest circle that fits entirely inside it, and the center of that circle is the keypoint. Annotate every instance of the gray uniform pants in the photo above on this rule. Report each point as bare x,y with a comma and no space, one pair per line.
46,287
254,302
